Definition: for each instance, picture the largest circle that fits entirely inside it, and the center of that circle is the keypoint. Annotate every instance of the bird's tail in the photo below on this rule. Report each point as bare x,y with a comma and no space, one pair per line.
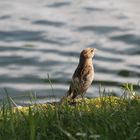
65,98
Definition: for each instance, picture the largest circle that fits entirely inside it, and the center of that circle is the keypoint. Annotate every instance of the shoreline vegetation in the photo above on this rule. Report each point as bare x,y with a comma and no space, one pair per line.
102,118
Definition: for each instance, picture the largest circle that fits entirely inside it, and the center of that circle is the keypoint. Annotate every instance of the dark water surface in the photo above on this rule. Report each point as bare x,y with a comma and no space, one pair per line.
44,37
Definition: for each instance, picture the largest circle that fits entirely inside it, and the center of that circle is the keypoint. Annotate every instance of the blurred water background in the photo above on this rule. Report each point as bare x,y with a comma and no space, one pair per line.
44,37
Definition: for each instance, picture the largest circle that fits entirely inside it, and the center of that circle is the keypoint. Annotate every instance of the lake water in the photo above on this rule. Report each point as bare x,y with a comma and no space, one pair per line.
44,37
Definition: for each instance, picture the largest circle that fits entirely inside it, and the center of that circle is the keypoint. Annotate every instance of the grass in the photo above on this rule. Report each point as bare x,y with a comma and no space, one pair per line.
102,118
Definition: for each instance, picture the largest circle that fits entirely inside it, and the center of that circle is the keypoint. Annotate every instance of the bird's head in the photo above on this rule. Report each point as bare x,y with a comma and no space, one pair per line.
88,53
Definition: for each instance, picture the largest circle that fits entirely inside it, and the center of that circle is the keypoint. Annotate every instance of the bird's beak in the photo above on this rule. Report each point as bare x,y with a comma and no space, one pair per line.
95,50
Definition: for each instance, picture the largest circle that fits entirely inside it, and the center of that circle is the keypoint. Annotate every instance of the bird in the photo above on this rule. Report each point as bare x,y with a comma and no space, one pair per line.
83,75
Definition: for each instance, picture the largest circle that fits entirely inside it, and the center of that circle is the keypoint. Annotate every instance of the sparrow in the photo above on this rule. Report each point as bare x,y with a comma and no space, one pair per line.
83,75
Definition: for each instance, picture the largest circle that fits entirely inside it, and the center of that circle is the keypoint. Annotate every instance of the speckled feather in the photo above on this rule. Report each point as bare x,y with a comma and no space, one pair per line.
82,79
83,75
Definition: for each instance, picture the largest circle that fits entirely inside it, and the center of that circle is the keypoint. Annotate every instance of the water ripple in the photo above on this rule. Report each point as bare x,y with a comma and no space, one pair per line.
49,23
21,79
93,9
128,73
109,59
99,29
19,60
58,4
20,35
127,38
133,51
61,53
5,17
11,48
36,36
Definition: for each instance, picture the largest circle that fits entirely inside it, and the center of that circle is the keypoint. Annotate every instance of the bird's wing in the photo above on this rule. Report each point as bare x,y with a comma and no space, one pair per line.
86,73
81,75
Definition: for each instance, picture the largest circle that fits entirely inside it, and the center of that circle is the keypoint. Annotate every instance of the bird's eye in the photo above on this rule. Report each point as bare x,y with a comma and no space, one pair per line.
91,50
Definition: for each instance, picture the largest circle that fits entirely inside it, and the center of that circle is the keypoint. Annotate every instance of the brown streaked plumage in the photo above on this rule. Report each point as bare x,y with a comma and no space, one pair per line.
83,75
